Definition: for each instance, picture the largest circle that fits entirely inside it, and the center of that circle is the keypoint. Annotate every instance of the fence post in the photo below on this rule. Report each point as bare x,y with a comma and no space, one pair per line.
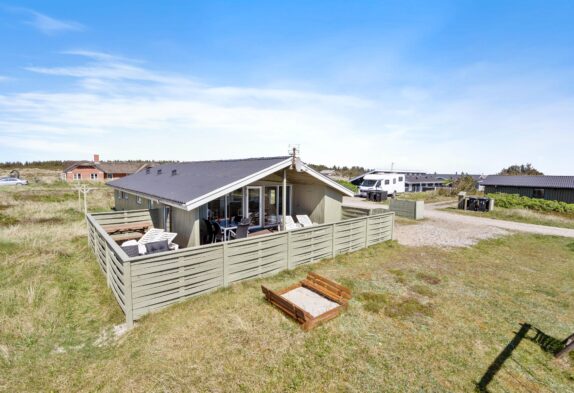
366,231
334,250
289,251
225,272
108,265
128,293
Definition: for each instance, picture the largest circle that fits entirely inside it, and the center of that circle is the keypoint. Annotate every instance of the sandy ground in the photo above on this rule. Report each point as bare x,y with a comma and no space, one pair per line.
309,301
444,229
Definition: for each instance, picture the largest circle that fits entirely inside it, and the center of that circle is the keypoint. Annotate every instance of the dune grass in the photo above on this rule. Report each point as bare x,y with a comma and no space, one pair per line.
421,319
427,196
523,215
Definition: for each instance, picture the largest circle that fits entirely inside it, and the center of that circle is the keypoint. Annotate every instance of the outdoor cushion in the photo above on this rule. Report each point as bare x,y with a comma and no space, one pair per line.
131,251
154,247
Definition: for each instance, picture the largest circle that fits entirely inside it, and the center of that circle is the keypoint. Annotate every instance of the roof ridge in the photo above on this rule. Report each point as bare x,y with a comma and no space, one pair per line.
233,159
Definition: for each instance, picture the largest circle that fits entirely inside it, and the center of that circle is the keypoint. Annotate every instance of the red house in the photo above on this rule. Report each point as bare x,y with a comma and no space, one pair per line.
101,171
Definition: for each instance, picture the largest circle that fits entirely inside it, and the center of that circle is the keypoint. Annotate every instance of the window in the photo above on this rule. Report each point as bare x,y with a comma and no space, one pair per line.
150,204
538,193
94,176
229,207
274,204
378,184
387,182
235,205
123,195
280,200
368,183
216,209
77,176
139,200
394,181
400,178
109,175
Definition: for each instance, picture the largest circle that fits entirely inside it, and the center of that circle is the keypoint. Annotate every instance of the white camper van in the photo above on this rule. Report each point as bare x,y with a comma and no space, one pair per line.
392,183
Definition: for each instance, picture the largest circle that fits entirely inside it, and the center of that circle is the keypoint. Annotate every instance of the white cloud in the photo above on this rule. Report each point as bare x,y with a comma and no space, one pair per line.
47,24
124,110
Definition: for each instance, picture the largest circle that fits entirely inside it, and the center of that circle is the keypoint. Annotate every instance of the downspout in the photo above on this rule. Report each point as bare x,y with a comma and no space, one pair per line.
284,201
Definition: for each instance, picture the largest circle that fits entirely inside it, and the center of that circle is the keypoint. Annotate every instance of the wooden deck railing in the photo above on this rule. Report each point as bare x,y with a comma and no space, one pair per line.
151,282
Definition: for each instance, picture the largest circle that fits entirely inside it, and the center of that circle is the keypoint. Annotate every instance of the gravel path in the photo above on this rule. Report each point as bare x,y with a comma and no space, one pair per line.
444,229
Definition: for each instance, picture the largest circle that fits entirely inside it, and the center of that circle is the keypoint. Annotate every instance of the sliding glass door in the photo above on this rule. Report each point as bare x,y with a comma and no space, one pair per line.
254,205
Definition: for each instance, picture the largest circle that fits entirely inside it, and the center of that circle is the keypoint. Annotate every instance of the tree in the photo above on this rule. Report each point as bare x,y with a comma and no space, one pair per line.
520,170
464,183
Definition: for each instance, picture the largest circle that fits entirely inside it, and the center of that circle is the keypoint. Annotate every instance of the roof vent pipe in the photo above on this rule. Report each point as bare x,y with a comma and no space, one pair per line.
147,171
174,172
159,171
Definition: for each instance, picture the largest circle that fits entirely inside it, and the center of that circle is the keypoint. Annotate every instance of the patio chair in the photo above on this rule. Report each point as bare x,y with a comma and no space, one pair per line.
290,223
305,220
241,231
217,233
208,234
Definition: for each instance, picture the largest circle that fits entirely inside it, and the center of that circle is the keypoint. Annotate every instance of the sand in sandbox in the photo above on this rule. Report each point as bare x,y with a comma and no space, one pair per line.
310,301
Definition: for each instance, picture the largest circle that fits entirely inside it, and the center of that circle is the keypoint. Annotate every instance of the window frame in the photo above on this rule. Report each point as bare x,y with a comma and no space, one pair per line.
538,193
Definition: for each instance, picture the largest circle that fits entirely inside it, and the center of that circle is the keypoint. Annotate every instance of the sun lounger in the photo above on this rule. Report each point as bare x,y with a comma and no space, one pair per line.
290,223
157,235
305,221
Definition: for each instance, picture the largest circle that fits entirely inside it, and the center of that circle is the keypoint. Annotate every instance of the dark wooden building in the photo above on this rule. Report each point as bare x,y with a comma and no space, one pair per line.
555,188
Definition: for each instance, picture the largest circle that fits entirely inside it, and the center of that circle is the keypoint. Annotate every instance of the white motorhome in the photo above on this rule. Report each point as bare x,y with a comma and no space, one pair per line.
392,183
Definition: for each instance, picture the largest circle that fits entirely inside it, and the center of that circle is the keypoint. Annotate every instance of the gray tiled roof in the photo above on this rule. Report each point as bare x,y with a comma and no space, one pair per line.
111,167
193,179
530,181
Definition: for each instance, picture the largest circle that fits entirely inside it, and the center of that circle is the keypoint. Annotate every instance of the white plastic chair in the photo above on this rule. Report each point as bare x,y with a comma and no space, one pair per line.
305,221
290,224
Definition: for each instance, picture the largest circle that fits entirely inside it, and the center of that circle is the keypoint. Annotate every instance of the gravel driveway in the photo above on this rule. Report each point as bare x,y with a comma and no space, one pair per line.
444,229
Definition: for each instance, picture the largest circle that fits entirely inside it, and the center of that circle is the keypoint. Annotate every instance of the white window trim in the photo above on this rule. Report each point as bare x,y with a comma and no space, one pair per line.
139,200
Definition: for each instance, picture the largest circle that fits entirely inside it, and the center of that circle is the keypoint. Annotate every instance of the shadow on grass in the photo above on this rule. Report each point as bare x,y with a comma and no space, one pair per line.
547,343
496,365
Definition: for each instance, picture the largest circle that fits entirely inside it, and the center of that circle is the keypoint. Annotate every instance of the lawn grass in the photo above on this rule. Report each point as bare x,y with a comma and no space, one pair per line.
522,215
421,319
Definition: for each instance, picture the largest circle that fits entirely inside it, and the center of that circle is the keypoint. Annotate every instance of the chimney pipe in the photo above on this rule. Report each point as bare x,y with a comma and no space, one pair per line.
96,158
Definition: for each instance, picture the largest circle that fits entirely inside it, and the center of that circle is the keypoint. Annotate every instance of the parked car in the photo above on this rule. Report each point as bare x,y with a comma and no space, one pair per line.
12,181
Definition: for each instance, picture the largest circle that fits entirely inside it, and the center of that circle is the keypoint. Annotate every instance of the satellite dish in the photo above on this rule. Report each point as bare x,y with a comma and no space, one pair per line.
15,173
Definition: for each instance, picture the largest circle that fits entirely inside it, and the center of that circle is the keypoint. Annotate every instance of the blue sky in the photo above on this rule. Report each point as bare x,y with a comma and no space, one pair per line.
431,85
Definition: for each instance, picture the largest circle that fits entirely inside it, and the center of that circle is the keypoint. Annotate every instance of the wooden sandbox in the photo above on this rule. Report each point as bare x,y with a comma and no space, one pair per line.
311,301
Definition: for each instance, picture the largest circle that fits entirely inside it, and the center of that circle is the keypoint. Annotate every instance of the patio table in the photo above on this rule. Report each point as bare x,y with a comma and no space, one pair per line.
227,226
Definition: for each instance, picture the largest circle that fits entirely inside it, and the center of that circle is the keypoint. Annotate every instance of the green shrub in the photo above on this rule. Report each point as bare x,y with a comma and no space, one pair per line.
510,201
349,185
